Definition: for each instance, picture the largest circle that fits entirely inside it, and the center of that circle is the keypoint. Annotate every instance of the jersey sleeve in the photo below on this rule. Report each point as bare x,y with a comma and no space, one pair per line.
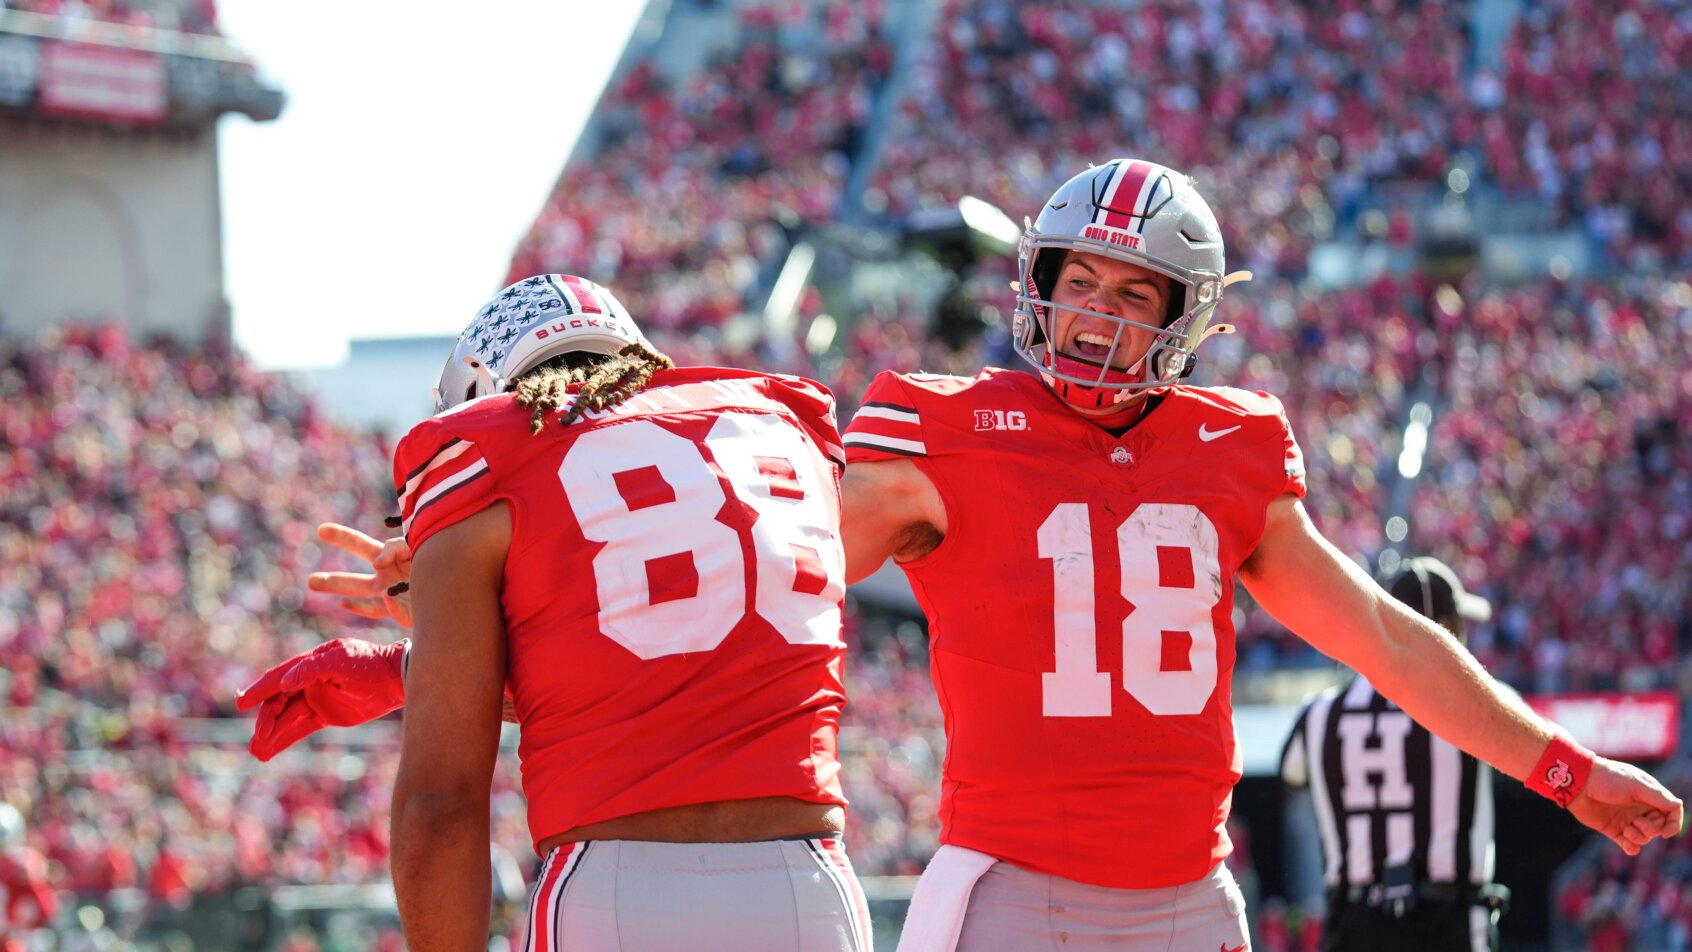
441,477
1292,456
813,404
1280,451
887,424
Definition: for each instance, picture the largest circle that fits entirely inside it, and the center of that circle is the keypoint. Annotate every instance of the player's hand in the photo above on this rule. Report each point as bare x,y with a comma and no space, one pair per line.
1627,805
339,683
371,594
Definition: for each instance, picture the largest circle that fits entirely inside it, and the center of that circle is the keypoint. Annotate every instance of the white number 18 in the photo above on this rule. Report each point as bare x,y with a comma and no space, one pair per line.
1160,608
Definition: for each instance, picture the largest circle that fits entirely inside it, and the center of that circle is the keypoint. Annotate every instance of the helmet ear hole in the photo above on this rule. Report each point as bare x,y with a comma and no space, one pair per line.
1046,269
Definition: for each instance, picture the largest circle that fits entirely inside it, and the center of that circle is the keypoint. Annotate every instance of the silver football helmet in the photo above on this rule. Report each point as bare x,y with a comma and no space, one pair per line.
1141,213
526,324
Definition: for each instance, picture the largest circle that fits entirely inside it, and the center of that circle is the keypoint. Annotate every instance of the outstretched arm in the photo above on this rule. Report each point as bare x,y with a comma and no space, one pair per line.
1313,589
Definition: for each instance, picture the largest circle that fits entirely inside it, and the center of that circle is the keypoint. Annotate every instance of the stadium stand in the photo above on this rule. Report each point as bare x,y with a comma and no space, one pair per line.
1285,114
1559,471
156,496
697,180
1613,162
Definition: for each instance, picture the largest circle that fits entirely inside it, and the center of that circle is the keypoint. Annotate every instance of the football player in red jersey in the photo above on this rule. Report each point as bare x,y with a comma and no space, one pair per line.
1073,540
647,558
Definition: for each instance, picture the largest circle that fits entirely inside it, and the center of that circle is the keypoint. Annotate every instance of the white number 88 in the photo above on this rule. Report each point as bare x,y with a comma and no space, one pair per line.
671,577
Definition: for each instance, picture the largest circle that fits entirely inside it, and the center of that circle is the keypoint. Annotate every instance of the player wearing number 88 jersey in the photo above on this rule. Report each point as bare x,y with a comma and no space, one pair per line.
657,582
1093,693
632,537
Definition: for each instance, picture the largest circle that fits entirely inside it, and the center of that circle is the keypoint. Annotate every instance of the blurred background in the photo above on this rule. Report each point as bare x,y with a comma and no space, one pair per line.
237,241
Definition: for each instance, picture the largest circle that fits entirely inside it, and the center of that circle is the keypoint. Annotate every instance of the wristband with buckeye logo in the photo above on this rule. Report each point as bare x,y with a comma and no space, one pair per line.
1562,770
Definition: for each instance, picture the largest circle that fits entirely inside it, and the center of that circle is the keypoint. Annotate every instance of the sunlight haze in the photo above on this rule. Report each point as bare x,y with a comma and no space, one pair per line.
413,152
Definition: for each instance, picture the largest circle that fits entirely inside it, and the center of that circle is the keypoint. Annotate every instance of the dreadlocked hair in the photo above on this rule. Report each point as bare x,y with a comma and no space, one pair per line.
603,381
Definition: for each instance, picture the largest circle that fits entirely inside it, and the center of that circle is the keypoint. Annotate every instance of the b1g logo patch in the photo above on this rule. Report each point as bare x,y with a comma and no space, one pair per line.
1000,420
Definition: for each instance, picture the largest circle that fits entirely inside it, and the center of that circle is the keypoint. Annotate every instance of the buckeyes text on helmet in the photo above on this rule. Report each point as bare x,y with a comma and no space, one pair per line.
1142,214
528,323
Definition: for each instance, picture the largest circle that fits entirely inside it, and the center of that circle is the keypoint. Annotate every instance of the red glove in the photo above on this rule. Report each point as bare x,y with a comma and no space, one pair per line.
340,683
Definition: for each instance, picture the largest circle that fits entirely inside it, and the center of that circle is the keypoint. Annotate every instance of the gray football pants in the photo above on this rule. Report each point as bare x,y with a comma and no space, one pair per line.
631,896
1014,910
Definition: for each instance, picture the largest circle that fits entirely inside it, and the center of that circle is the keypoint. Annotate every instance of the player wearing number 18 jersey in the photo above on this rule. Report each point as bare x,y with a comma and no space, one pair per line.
1073,539
647,558
1104,534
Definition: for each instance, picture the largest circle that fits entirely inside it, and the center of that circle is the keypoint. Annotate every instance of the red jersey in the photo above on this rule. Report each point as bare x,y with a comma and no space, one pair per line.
673,590
27,900
1079,613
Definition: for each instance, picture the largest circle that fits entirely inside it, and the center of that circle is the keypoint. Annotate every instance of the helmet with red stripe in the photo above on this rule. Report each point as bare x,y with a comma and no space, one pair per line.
1148,216
527,324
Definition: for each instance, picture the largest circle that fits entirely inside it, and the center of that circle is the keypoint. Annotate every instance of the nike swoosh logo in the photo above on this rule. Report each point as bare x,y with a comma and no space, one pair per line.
1207,435
1240,948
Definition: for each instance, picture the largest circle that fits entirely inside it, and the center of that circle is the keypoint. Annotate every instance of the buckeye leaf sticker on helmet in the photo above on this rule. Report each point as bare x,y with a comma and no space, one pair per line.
528,323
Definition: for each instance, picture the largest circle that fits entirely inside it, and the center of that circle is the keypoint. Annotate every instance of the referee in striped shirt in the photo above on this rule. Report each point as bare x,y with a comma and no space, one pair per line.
1406,818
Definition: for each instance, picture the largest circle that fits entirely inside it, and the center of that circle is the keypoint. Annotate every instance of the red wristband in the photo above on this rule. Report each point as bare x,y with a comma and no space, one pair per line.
1562,770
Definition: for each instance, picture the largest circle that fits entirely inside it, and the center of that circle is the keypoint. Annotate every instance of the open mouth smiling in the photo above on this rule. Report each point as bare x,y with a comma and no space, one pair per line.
1090,349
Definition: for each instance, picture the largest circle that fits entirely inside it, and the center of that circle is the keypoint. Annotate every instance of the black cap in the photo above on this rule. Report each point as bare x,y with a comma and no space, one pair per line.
1430,587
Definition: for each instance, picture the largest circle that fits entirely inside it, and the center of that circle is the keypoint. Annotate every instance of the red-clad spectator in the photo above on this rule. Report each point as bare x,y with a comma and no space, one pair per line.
172,878
27,899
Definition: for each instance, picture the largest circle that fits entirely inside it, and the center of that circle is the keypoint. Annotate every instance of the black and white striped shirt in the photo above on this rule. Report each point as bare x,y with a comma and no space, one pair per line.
1387,793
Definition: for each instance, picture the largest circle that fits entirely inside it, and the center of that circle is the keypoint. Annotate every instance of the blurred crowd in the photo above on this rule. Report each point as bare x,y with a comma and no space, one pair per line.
692,185
1560,479
157,500
1590,114
1284,113
1297,117
192,16
157,503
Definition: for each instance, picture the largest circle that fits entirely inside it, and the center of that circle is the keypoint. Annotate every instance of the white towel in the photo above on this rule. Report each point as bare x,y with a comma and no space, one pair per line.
935,918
